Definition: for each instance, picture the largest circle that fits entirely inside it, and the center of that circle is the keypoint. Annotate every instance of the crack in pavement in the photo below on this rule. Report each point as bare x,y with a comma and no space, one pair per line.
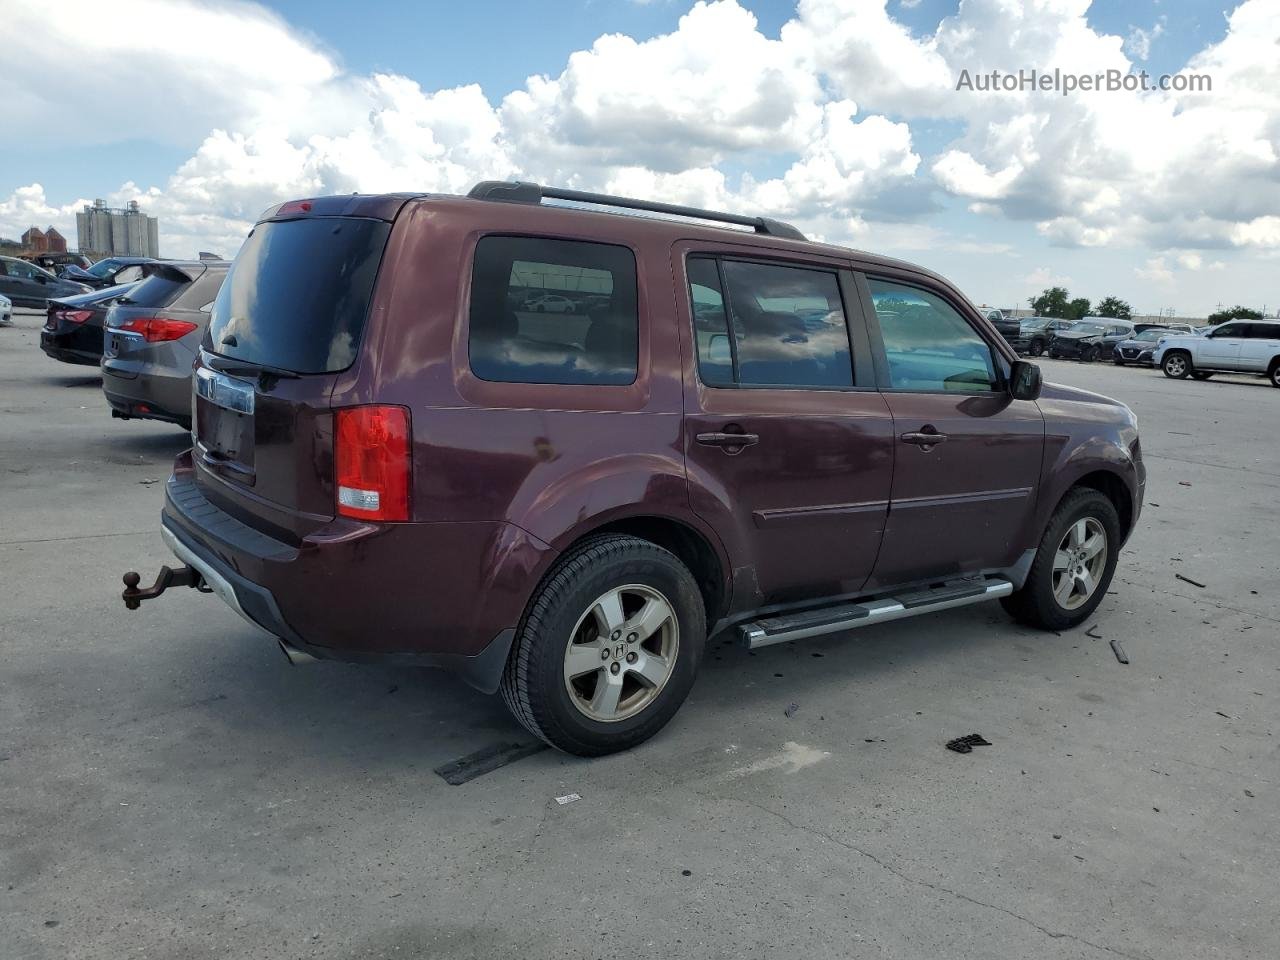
1053,934
81,536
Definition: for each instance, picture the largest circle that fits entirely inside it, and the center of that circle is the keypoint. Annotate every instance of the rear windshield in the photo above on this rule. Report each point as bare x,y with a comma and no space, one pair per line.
158,290
298,293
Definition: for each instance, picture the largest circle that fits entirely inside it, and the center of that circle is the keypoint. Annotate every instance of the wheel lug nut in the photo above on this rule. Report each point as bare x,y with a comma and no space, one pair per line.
632,658
615,635
604,654
614,667
632,637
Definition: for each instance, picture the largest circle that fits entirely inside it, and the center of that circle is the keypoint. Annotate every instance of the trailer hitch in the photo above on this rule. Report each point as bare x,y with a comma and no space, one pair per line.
184,576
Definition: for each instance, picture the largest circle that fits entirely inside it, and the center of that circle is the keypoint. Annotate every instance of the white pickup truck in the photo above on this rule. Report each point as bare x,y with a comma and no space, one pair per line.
1238,346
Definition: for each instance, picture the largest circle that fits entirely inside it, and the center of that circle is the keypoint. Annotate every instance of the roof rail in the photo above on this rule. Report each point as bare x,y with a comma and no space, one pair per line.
520,192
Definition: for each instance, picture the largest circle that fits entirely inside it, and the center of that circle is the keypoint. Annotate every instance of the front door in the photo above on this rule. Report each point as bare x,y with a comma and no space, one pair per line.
1221,347
789,447
967,455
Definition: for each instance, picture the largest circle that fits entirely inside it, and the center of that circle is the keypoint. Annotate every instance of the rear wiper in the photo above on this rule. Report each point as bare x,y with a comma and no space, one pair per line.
255,370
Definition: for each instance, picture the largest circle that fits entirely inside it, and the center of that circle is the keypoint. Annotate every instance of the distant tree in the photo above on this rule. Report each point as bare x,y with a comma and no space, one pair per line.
1235,313
1113,307
1052,303
1077,308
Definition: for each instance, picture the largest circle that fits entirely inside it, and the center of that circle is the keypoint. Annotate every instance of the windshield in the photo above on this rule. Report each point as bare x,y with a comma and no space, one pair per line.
1035,324
104,268
297,295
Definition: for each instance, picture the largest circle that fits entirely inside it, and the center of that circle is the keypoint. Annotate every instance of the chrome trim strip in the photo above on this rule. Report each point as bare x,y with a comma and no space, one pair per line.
1013,493
224,391
820,511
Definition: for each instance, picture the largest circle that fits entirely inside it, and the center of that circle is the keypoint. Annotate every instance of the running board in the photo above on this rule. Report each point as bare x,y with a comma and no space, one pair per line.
845,616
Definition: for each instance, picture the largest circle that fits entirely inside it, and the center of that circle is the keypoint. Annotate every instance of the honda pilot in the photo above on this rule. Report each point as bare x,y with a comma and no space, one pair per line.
397,457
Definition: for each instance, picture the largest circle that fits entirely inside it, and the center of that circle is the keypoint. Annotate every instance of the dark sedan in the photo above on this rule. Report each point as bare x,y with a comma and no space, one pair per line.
73,326
1089,340
1139,347
153,337
30,286
110,272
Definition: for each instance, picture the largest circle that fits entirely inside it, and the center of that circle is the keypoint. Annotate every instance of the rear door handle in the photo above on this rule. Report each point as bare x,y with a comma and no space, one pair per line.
728,439
923,438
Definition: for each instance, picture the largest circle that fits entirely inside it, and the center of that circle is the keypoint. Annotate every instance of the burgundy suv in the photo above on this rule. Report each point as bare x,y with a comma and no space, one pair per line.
397,457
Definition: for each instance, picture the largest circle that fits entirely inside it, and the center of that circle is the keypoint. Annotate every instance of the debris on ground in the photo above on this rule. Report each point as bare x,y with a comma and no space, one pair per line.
150,480
568,798
1248,793
1194,583
1183,483
1221,714
1119,651
486,760
791,710
1090,632
967,743
686,873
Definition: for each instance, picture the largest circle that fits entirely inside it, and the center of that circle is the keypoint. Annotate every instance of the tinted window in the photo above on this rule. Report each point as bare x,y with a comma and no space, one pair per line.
788,324
1264,331
200,294
710,323
928,344
298,293
553,311
1229,330
159,289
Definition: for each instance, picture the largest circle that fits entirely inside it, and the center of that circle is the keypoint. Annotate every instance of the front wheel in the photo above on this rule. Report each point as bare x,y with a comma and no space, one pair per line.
1176,366
1074,563
1089,354
1117,361
608,649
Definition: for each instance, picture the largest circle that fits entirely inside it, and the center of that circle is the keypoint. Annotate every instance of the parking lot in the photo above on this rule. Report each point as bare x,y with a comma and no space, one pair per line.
171,787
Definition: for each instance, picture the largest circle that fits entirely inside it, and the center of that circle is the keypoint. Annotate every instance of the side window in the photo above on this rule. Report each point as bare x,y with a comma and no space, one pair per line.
553,311
1230,330
1263,331
787,323
928,344
710,323
22,270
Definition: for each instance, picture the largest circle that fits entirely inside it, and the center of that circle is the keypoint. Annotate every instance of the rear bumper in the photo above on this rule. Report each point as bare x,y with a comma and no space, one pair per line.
445,595
137,393
82,345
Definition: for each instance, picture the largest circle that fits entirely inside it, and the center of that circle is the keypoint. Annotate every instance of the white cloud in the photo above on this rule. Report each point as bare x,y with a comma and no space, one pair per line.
1155,270
1138,44
1045,277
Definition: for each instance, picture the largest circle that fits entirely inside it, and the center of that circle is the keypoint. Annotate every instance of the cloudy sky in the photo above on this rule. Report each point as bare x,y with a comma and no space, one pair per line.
840,115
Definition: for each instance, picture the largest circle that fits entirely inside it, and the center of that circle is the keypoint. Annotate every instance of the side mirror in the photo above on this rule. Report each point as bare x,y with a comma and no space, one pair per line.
1024,381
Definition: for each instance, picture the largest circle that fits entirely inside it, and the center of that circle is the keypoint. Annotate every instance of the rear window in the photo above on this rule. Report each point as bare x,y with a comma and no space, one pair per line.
158,290
298,293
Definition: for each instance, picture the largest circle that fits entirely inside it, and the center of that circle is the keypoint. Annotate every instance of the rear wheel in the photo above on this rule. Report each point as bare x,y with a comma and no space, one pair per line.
1176,365
608,649
1273,374
1074,563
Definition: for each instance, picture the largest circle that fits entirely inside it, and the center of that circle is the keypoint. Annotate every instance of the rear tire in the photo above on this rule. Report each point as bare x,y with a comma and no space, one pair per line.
1273,373
1176,365
598,596
1067,581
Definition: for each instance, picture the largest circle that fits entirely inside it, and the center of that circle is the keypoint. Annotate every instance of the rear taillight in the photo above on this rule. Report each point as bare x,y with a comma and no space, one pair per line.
158,329
373,462
74,316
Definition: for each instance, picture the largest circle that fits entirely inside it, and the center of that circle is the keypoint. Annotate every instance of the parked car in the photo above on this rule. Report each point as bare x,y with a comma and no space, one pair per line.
1009,328
111,271
1036,332
392,465
73,326
1175,327
1089,340
56,263
1140,347
152,339
27,285
6,311
550,303
1204,330
1238,346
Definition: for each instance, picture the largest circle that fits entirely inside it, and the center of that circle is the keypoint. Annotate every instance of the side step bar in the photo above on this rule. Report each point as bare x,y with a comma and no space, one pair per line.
845,616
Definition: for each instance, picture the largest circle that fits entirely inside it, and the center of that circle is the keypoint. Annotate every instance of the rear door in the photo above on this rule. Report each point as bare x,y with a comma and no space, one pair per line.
1260,344
788,445
288,319
968,456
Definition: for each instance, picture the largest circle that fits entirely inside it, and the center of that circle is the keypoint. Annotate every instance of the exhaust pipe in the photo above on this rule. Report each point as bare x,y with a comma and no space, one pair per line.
294,655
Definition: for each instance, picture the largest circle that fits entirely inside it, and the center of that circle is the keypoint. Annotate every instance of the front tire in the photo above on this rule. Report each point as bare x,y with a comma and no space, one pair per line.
1088,354
1176,366
608,648
1074,563
1037,348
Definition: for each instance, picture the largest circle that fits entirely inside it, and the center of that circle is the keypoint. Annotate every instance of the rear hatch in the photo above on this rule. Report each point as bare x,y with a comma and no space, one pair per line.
161,296
288,320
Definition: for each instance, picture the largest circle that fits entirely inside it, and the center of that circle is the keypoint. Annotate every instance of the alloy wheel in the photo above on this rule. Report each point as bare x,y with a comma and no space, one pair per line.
1176,365
621,653
1079,563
